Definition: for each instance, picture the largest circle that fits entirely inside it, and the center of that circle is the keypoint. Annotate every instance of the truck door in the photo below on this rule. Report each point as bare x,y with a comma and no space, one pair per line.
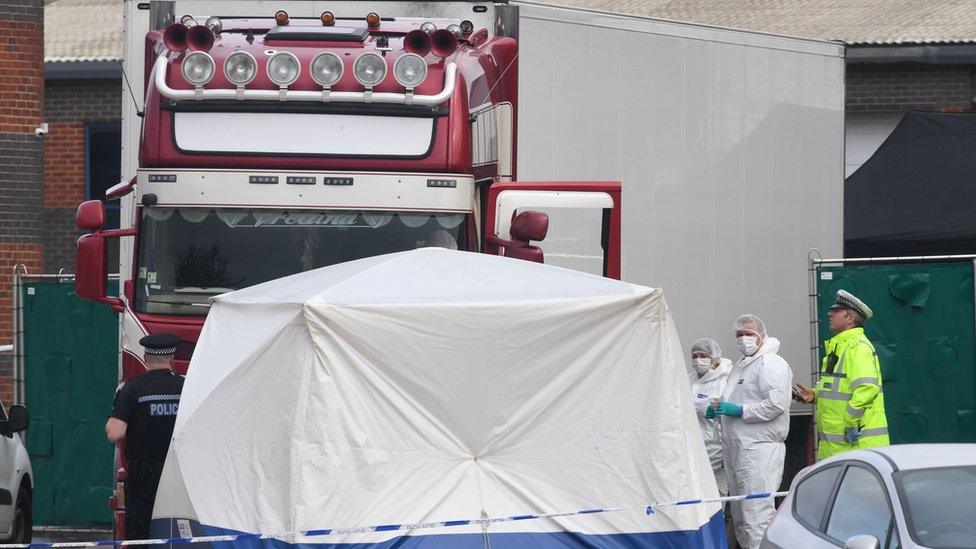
579,222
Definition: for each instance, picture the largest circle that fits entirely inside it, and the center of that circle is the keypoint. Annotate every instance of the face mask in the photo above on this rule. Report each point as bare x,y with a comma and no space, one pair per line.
747,344
701,365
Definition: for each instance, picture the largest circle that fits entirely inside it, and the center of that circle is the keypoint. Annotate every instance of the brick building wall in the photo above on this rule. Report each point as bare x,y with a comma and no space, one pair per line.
902,87
71,106
21,157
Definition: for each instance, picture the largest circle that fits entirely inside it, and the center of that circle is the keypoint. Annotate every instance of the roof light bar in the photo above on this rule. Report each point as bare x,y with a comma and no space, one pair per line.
160,71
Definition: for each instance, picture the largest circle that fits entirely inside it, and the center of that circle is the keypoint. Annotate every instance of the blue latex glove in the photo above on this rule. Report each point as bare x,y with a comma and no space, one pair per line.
710,413
851,435
729,409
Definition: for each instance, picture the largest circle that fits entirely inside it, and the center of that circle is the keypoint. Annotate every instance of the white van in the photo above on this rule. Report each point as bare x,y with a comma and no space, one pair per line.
16,477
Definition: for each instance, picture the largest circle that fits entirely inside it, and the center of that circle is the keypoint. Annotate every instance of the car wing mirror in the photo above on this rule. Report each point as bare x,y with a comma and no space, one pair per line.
18,419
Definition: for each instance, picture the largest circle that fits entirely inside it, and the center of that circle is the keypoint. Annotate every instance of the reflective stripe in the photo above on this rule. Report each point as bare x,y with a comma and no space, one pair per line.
864,381
832,438
864,433
835,374
833,395
854,411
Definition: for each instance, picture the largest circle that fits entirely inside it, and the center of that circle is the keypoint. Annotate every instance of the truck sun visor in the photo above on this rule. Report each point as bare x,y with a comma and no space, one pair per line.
321,34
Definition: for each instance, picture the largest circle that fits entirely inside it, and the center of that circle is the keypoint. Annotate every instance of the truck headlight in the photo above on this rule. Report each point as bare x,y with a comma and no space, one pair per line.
283,68
326,69
369,69
240,68
198,68
410,70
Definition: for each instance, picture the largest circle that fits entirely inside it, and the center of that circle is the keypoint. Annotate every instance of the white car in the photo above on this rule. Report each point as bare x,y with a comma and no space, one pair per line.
903,496
16,477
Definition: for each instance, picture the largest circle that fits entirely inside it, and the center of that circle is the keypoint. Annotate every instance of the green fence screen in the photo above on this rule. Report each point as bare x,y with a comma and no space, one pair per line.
923,330
71,371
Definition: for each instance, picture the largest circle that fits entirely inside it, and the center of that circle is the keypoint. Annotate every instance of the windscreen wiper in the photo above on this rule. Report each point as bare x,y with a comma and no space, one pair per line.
209,290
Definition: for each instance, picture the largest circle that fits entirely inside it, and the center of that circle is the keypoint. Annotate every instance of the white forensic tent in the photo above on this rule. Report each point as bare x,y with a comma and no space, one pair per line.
435,385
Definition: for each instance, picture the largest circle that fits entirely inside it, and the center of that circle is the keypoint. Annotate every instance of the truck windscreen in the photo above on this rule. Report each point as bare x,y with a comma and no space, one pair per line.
187,255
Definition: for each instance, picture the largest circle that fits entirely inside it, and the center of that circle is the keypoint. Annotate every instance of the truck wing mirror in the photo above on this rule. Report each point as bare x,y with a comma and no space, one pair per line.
90,268
526,226
530,225
17,420
91,271
91,215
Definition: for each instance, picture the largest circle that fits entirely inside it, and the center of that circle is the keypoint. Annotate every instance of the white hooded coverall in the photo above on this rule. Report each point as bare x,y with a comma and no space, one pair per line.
754,443
709,386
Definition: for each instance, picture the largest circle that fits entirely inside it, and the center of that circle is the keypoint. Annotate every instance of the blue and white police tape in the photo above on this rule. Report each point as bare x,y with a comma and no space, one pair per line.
483,522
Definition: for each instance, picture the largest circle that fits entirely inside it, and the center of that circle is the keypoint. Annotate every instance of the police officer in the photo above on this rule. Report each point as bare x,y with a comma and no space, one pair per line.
144,414
848,398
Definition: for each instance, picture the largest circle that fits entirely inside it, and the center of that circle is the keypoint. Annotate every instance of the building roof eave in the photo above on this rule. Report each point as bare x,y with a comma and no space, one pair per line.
81,69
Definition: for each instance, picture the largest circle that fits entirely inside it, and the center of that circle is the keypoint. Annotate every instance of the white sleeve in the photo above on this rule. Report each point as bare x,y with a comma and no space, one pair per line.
776,384
701,406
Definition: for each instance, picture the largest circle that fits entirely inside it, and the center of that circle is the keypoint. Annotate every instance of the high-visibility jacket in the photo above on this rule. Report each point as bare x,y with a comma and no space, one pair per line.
849,394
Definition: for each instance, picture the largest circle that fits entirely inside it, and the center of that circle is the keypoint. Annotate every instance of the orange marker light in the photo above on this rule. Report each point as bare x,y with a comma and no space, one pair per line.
373,19
281,17
328,18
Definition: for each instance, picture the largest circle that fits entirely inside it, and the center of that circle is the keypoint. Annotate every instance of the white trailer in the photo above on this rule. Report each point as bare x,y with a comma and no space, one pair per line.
729,145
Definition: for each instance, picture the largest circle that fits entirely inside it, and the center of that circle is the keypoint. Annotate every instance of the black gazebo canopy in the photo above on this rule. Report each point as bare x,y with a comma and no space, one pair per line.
917,194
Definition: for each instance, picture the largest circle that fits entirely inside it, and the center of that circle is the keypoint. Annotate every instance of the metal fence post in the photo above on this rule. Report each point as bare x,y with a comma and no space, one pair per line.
815,258
19,271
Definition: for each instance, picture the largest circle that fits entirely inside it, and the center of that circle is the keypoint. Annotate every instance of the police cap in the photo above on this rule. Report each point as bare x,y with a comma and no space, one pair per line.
847,300
162,343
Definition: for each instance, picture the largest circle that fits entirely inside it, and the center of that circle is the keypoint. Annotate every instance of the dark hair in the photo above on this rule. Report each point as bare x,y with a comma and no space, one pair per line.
858,318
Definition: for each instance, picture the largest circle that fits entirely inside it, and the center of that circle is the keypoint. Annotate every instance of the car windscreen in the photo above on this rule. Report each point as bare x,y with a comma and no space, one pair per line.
187,255
940,505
